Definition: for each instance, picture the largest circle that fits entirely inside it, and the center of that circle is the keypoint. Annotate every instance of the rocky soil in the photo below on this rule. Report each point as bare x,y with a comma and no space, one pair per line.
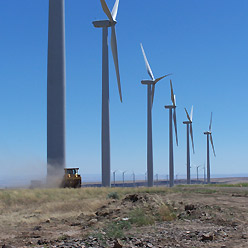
183,218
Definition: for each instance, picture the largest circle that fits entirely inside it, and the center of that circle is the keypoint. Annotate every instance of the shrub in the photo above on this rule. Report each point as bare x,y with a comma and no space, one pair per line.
115,230
140,218
166,213
113,195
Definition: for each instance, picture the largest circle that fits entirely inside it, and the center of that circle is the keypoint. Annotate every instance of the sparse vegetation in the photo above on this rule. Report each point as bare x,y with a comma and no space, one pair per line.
63,237
64,214
230,185
203,191
113,230
139,217
27,197
113,195
116,229
166,213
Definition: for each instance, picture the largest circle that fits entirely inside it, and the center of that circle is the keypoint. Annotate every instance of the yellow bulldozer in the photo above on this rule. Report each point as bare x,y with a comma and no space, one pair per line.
71,178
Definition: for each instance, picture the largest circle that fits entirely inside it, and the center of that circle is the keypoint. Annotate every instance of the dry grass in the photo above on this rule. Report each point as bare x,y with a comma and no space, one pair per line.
19,206
166,213
31,206
34,205
80,212
27,197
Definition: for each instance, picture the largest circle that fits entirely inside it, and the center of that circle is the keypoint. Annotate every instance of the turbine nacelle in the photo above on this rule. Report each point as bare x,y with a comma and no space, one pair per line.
148,82
208,132
103,23
187,122
170,106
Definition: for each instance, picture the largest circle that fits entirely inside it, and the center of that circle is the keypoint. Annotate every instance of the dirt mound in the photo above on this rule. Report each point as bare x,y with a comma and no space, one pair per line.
119,209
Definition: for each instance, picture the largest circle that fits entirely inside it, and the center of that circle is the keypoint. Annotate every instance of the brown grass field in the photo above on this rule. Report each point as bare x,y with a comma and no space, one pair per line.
184,216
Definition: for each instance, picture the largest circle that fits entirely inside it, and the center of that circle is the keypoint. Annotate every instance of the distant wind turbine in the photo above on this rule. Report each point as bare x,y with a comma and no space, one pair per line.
204,169
189,131
114,173
105,24
171,159
150,97
197,170
209,136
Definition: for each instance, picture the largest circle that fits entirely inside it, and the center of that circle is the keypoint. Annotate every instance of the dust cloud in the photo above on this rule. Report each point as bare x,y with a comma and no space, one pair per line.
29,173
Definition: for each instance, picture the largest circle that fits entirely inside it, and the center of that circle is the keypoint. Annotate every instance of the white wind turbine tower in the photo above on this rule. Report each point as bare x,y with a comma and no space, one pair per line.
171,159
56,91
189,131
105,24
209,136
150,98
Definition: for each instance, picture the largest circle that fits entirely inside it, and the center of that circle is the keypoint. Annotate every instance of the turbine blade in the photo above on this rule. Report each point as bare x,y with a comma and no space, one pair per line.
158,79
115,57
106,10
187,114
153,92
115,10
191,134
148,68
175,124
210,125
153,86
211,139
172,94
191,114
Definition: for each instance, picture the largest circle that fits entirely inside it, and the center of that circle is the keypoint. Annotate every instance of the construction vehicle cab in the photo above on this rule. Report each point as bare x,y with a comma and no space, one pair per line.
71,178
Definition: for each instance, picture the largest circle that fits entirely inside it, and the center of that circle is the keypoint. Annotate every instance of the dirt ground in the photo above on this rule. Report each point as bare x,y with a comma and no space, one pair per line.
195,216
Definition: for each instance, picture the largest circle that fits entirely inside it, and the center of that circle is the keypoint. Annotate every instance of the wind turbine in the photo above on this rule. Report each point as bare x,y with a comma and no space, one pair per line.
56,157
171,159
133,179
123,178
105,24
114,173
189,131
150,97
197,170
209,136
204,168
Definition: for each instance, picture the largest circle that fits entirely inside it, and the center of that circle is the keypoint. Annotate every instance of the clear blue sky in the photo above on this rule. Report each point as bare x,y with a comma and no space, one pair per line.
203,43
